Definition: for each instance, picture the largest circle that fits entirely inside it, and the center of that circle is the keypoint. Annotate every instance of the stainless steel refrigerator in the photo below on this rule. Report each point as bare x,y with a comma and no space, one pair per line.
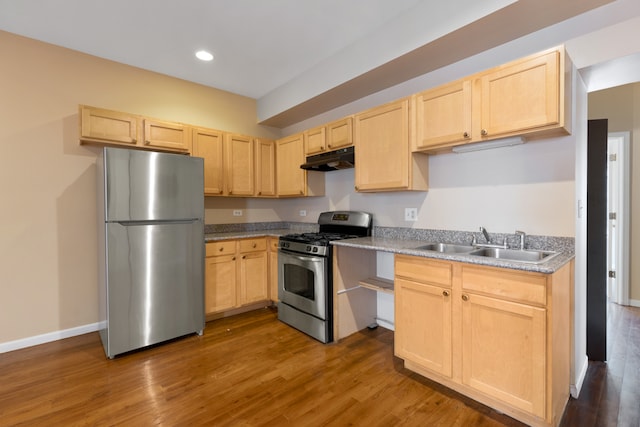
151,208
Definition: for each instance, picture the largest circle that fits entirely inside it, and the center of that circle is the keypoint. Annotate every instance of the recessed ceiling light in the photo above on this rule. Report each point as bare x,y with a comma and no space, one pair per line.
203,55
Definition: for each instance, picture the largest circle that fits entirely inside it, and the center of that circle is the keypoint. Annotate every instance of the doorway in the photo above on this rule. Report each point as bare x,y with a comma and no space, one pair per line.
618,200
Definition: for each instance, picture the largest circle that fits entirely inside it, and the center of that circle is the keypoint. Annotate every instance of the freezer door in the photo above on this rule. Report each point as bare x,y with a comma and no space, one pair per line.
144,185
155,283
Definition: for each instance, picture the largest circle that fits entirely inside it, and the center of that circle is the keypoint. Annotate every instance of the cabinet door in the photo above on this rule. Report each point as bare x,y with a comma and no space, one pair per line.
167,136
239,165
254,272
208,144
316,141
220,283
265,167
382,138
340,133
521,97
290,179
504,351
101,125
423,325
443,115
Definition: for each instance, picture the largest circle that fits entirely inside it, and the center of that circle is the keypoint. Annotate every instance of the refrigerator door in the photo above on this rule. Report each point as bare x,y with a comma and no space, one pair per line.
144,185
155,283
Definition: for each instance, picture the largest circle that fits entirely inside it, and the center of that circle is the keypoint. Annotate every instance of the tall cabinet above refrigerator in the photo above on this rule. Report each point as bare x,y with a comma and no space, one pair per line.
151,240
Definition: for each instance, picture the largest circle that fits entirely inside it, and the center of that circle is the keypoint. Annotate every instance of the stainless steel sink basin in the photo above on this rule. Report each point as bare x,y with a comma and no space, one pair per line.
530,256
446,248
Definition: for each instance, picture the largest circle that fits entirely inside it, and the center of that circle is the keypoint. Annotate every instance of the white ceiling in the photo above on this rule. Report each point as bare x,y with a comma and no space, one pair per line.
297,58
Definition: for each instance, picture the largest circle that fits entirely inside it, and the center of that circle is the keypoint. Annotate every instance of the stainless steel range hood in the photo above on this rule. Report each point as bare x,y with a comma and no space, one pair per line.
342,158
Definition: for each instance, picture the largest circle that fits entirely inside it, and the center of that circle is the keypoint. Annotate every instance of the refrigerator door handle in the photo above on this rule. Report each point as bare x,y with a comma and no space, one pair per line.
153,222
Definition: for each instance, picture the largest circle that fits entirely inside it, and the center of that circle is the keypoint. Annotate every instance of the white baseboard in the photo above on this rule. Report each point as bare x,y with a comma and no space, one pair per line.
575,388
45,338
634,303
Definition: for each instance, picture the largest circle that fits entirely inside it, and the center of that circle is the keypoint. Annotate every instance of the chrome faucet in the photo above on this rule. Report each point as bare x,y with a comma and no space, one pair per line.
486,235
483,230
522,235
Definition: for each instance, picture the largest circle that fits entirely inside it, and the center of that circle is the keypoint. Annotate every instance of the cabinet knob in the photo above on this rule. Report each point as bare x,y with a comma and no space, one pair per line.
445,293
244,257
233,259
259,193
465,297
254,245
465,135
356,187
301,192
221,249
329,145
484,132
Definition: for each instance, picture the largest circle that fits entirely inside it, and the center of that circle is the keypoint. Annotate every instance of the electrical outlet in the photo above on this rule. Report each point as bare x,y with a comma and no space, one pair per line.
237,212
410,214
302,212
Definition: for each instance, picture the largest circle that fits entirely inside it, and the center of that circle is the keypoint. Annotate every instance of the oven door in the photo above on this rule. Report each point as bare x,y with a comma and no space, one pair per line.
302,282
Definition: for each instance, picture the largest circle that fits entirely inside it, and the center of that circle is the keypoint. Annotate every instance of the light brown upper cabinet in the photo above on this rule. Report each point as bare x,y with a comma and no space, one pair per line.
337,134
443,115
384,161
340,133
167,135
107,127
316,141
526,98
100,125
265,167
521,96
208,144
239,165
291,181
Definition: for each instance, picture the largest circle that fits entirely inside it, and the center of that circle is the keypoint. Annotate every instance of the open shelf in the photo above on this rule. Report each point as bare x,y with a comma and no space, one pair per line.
377,284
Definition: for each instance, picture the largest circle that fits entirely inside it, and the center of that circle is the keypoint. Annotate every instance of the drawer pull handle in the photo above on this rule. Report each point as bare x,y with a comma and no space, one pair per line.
221,249
465,298
445,293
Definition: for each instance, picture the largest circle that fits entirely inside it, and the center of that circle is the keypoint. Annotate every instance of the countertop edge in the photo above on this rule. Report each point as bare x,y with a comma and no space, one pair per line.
230,235
407,247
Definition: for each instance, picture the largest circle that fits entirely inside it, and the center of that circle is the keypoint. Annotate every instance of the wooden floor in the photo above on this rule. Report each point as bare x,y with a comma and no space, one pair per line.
610,395
252,370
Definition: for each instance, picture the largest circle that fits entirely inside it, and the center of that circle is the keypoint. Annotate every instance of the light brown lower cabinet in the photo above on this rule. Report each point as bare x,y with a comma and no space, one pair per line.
499,336
236,274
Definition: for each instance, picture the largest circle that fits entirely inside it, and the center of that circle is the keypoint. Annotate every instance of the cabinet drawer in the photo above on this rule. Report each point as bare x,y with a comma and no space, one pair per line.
253,245
423,270
516,286
225,247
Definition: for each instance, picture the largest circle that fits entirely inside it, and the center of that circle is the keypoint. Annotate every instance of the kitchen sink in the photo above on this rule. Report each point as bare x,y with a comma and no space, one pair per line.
446,248
530,256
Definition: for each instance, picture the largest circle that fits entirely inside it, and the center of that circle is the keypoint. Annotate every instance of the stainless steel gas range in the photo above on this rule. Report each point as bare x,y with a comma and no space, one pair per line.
305,277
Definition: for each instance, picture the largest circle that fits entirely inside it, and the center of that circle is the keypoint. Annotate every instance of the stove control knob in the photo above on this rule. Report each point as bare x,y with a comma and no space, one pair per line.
308,248
315,249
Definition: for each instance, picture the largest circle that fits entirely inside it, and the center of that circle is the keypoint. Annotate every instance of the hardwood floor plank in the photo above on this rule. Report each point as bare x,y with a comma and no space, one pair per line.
252,370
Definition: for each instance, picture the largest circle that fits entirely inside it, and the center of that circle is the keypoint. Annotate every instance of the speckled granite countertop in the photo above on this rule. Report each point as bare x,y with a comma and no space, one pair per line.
212,237
214,232
408,247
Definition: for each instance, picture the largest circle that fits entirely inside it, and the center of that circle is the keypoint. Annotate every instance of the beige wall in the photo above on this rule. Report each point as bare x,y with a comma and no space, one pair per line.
621,106
48,255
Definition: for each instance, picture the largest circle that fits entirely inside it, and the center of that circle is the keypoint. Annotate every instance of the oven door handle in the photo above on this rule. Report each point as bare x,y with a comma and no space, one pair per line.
301,258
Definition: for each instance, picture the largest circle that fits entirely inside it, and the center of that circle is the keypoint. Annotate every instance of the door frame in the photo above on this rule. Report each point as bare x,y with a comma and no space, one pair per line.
619,142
